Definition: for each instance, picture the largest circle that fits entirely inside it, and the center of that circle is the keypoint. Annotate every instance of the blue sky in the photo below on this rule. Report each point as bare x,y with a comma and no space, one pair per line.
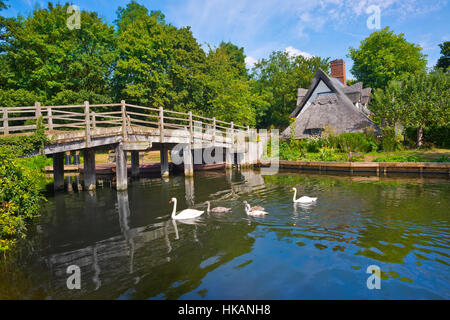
325,28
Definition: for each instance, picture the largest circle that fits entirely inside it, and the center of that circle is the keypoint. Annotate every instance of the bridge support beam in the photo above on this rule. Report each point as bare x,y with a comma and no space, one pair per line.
67,160
58,171
89,175
229,158
121,168
135,164
164,159
187,160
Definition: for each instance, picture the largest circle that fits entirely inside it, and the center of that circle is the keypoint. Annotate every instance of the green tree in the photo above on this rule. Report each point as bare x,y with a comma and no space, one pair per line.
158,64
416,100
385,56
45,57
230,95
426,101
444,60
278,79
237,57
387,105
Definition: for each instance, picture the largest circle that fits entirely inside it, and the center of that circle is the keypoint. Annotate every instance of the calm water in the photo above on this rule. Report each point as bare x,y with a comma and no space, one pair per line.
128,247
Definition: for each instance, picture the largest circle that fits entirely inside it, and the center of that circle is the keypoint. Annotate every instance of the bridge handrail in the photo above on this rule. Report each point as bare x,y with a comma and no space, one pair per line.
16,120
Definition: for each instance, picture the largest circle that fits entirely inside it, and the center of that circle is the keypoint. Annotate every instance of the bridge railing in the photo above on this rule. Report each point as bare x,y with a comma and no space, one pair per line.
87,117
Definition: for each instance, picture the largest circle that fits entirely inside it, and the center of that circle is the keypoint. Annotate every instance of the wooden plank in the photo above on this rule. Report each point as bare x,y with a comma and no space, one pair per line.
142,114
20,118
105,105
176,112
144,121
176,119
19,128
141,107
67,112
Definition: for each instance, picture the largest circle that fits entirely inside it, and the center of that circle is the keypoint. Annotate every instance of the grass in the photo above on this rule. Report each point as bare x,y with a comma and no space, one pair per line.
326,154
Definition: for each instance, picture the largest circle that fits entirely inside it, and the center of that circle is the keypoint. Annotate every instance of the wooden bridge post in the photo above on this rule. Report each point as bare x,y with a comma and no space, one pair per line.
187,160
164,159
58,171
191,128
232,133
229,156
213,140
89,174
67,160
161,124
50,118
135,164
5,121
87,119
121,168
124,121
37,105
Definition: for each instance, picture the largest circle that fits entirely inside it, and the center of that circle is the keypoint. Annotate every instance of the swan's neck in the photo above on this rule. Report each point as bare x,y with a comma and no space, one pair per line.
209,204
247,208
295,194
174,208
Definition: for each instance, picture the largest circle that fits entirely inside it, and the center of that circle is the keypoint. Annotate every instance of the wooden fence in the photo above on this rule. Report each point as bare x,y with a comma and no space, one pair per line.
23,120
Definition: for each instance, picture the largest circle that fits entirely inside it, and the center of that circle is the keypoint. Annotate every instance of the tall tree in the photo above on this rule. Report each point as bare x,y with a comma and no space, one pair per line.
237,57
444,60
385,56
416,100
47,58
278,78
158,65
230,95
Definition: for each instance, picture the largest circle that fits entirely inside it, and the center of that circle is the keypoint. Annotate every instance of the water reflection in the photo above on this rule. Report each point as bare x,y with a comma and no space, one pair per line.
128,247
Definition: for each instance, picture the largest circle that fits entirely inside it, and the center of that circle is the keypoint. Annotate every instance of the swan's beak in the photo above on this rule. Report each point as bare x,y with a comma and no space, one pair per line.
292,190
170,201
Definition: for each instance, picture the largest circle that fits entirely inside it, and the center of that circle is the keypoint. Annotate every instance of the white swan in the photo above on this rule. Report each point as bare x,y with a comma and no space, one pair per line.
184,214
253,212
303,199
217,209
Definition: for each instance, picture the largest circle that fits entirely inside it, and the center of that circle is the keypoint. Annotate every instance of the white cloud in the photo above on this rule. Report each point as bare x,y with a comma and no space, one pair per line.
246,19
250,62
293,52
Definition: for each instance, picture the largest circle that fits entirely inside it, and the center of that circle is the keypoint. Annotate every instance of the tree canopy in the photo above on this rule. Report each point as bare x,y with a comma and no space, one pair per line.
385,56
415,100
278,78
444,60
144,60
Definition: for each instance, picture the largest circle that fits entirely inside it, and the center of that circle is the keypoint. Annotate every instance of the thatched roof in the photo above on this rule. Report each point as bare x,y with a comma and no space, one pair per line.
336,110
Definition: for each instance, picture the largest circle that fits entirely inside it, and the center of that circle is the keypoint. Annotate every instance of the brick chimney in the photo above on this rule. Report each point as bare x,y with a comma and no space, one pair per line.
338,70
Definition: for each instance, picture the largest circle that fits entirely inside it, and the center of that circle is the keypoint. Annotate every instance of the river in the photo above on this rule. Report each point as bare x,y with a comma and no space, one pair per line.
127,246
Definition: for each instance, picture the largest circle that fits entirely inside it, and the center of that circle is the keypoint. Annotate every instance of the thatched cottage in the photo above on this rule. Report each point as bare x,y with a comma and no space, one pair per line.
330,102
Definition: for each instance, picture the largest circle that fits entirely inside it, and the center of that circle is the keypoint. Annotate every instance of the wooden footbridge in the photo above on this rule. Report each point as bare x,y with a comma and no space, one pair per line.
131,128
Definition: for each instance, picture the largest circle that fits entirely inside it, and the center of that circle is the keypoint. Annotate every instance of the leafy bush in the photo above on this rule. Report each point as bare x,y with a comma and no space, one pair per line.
438,136
21,182
391,141
20,199
442,158
23,145
353,142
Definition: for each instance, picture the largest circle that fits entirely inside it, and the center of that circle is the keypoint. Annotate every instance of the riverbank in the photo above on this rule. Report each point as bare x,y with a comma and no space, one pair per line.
374,167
